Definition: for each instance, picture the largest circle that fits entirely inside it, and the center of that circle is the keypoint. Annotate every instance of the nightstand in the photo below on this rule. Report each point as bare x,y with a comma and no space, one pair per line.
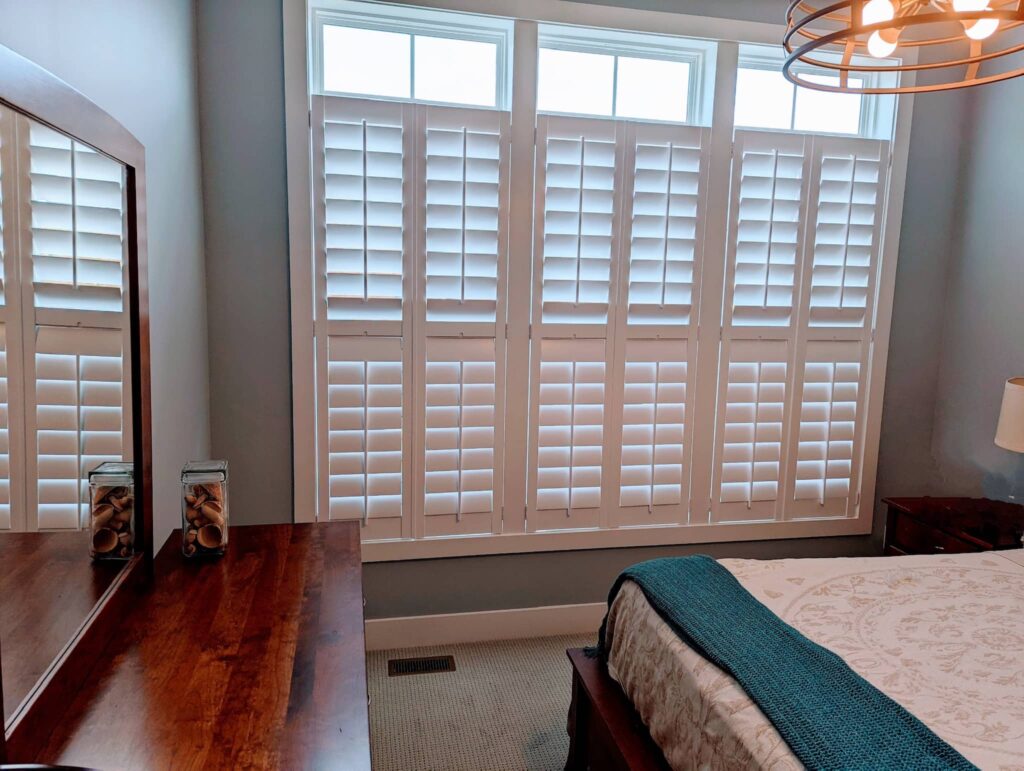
951,525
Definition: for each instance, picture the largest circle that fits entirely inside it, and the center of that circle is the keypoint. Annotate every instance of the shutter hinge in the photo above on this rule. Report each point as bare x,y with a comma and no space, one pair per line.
873,334
309,118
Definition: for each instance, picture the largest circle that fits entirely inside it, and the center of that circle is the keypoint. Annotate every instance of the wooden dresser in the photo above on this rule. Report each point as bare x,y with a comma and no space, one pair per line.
255,660
951,525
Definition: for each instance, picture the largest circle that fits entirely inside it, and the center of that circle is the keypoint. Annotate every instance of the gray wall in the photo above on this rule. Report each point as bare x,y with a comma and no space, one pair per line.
137,61
241,95
983,311
247,273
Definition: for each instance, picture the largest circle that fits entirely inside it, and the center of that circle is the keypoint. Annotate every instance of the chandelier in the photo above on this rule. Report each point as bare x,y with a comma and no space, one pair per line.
855,40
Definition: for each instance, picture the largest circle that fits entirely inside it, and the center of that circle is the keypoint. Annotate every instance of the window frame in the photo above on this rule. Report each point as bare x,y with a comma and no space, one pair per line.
698,54
412,22
528,15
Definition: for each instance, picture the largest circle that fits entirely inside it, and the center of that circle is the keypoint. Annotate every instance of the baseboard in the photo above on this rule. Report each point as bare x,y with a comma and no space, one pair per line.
483,626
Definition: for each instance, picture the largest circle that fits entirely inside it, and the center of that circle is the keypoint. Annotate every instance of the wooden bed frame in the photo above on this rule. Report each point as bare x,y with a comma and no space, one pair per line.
605,731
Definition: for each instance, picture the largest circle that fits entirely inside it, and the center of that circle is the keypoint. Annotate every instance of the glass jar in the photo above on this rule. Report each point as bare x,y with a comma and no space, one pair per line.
204,507
111,506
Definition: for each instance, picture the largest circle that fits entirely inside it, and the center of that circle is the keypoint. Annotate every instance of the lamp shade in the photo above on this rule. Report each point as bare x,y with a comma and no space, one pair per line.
1010,433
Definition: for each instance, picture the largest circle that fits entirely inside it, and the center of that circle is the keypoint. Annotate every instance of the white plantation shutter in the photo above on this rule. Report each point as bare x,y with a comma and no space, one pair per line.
654,471
576,217
828,447
78,422
768,204
666,236
464,245
77,204
751,428
361,172
851,192
365,426
568,438
463,427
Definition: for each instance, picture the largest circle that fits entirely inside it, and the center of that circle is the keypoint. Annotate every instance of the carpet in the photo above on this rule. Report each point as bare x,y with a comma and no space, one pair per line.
503,709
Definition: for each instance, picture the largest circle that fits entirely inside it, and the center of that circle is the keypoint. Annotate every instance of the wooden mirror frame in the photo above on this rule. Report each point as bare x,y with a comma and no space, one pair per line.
30,90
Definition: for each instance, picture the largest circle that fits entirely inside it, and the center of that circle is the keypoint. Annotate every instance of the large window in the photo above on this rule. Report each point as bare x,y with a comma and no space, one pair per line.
591,309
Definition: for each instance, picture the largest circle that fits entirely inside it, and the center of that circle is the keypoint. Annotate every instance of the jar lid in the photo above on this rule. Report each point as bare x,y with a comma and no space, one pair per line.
205,471
113,473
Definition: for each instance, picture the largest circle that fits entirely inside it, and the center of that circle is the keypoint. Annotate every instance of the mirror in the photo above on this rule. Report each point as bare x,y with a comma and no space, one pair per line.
65,393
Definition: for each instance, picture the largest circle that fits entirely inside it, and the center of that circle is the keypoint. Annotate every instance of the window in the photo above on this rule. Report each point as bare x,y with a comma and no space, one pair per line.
592,320
62,207
424,55
621,75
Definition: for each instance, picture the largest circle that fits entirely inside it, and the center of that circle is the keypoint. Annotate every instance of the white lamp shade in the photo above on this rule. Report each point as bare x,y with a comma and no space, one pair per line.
1010,433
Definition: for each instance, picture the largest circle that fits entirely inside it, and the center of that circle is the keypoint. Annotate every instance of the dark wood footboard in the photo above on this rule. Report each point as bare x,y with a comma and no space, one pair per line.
605,731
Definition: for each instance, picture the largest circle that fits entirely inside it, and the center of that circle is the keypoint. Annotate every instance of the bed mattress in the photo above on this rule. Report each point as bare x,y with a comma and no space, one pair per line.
942,635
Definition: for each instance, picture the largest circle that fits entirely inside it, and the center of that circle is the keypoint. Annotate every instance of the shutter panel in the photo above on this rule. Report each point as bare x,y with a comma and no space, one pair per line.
576,218
7,153
462,437
653,482
851,192
767,227
751,425
667,219
77,203
360,179
827,455
463,195
364,423
78,417
568,412
5,437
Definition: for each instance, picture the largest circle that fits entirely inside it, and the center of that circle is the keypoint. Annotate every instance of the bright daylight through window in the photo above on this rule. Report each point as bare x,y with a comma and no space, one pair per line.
617,312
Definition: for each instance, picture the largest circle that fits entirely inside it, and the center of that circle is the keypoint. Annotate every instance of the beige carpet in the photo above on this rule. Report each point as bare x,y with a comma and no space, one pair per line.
503,709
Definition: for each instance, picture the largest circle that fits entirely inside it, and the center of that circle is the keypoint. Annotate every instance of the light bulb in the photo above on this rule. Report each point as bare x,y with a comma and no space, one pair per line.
879,47
977,29
877,11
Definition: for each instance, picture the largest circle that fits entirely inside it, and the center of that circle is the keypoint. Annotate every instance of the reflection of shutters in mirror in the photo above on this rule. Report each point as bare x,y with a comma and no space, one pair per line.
5,436
73,333
77,419
77,224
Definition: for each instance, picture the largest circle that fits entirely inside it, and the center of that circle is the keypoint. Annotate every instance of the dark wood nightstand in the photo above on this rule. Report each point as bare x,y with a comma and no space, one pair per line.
951,525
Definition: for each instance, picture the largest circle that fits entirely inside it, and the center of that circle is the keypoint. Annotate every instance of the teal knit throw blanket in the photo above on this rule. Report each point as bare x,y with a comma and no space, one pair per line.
831,717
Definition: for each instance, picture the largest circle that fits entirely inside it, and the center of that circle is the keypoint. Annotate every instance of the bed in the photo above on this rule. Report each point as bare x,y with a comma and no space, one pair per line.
943,635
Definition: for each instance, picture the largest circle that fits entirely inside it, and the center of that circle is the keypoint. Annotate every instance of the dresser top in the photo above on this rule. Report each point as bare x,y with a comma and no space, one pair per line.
989,524
255,660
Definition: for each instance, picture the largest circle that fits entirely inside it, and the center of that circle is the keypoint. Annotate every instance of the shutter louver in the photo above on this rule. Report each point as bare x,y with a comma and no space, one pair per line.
751,424
365,429
570,425
5,437
464,243
579,218
768,190
77,205
78,423
461,417
828,428
653,424
850,195
664,241
363,238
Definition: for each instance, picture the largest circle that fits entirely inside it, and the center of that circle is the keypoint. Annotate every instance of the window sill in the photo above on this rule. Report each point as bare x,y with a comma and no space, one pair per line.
673,535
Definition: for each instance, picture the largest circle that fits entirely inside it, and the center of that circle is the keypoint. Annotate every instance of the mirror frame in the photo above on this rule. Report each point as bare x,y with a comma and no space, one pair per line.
29,89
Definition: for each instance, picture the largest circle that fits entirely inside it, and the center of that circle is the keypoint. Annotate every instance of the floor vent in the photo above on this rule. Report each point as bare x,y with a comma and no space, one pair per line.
427,665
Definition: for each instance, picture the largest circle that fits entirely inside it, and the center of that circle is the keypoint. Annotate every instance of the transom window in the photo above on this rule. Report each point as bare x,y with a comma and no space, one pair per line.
619,75
412,54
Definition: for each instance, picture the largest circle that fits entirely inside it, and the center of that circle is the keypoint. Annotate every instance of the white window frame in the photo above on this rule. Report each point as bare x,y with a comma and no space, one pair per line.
361,15
876,112
528,14
699,54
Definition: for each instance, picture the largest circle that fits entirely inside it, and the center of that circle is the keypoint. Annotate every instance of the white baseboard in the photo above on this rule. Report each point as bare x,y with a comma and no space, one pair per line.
483,626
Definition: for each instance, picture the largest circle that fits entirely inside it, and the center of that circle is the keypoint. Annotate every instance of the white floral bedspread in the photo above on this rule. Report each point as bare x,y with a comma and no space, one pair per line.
941,635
